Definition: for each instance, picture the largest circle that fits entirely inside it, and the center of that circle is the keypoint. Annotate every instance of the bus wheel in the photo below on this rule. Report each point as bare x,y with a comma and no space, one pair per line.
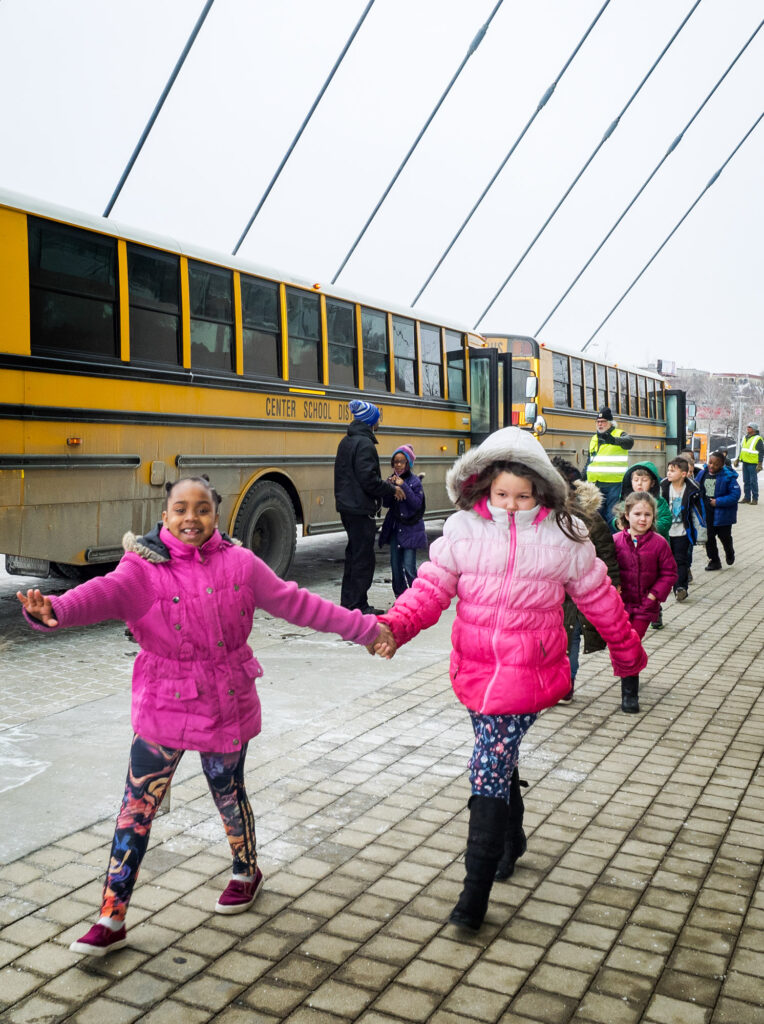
266,524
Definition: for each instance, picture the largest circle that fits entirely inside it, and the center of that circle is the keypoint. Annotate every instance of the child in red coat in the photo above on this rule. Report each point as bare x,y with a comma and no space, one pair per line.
648,574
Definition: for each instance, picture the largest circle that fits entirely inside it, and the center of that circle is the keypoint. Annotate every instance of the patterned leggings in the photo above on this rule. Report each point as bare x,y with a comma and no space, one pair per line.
149,773
497,751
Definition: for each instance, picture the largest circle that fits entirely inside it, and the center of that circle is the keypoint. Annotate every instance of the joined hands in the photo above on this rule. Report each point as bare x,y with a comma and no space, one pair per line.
385,645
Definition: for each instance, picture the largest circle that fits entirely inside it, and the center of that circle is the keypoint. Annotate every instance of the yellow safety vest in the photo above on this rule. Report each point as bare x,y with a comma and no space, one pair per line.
748,452
607,462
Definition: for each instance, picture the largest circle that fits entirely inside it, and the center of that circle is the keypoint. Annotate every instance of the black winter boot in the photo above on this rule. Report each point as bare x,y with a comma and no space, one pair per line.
629,693
515,843
485,843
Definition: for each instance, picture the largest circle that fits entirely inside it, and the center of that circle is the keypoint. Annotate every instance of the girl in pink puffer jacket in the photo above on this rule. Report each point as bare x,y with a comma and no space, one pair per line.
510,556
188,595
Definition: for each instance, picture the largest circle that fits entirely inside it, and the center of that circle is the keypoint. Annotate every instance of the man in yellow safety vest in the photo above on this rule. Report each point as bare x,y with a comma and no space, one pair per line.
608,460
752,456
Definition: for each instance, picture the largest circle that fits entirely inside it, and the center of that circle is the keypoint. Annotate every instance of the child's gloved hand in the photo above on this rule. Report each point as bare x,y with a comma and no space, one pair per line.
385,645
38,606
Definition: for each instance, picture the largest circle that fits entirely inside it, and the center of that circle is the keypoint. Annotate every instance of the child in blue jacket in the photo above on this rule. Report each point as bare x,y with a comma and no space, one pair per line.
721,492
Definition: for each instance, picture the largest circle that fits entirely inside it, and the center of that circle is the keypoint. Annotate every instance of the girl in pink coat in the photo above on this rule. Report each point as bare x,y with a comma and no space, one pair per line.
648,574
188,594
509,556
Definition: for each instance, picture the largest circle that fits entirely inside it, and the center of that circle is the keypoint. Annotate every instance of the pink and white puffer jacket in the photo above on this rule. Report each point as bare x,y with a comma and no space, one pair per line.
510,574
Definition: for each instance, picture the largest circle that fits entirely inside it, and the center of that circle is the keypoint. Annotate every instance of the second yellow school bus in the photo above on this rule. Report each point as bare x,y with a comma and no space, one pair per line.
570,387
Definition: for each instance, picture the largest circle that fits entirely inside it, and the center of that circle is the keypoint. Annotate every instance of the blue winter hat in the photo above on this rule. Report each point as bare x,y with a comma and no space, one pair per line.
366,412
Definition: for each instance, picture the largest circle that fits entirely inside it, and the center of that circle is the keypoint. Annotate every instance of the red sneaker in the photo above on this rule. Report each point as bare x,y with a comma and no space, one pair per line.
239,896
100,940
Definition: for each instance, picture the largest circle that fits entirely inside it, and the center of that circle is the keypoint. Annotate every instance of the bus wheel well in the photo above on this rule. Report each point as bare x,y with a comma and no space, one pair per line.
266,522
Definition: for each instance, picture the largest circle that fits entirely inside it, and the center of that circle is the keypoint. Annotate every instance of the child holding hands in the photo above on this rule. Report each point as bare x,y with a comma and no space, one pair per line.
188,594
510,556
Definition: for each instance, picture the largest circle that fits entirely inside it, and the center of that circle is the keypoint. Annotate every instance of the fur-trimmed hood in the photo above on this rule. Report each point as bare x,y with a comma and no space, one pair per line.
154,550
585,499
507,445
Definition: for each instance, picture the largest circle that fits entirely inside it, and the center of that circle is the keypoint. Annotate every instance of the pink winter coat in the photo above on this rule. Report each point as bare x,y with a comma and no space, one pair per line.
191,610
647,567
510,573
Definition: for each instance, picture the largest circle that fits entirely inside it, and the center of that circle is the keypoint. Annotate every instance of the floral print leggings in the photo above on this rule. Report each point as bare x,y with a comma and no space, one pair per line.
149,773
497,751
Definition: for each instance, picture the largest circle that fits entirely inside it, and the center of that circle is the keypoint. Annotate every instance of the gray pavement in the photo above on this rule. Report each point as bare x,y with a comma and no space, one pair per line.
640,897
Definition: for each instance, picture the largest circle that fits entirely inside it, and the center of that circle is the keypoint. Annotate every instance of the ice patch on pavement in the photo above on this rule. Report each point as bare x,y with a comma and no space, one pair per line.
16,767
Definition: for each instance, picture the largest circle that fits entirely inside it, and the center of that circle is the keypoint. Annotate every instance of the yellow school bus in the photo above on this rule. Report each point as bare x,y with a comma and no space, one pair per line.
557,392
129,360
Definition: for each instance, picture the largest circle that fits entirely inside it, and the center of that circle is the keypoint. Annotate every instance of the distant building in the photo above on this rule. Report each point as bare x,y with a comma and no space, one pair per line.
739,379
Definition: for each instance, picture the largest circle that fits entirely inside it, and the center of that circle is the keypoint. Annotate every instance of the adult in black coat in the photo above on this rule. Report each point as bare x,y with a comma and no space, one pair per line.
358,493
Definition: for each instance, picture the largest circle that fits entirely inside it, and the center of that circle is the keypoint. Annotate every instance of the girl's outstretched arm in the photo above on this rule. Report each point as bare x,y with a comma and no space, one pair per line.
304,608
428,597
38,606
126,593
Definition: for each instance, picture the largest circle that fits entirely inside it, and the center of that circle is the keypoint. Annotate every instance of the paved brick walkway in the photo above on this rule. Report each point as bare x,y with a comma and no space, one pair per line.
640,897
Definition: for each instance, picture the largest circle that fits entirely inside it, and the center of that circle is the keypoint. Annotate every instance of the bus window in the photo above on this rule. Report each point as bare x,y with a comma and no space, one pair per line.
576,385
661,403
376,358
633,395
404,348
623,377
642,385
591,394
73,294
211,298
432,360
154,290
521,371
261,332
652,386
455,362
304,328
561,381
343,357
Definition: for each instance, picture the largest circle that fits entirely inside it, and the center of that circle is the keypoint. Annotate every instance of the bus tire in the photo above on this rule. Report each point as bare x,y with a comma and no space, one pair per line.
266,524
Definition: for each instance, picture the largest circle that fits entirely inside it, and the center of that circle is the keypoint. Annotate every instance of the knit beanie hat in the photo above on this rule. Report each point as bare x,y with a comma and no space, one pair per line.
366,412
408,451
605,413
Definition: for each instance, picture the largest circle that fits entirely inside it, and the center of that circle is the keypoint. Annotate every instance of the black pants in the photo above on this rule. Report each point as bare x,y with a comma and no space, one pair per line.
359,560
681,549
724,533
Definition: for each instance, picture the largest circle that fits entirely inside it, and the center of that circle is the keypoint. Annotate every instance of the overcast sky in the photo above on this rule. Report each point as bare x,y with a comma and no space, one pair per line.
80,79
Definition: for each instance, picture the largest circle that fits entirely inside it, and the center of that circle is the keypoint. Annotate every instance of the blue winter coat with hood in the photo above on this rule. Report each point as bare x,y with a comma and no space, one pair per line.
727,494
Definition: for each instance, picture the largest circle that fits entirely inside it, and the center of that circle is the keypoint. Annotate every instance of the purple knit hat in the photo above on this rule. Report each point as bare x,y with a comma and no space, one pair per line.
366,412
408,451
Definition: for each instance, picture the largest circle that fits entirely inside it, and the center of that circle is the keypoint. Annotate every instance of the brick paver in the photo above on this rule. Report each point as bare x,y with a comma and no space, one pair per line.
640,897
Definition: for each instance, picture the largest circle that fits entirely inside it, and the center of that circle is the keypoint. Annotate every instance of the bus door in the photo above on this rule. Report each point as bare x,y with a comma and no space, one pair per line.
490,392
676,423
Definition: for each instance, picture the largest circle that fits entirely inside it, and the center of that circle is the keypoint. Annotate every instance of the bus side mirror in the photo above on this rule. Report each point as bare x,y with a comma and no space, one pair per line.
531,411
691,411
691,426
531,387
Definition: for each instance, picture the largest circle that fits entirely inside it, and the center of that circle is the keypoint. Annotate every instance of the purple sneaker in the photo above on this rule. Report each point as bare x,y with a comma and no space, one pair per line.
239,896
100,940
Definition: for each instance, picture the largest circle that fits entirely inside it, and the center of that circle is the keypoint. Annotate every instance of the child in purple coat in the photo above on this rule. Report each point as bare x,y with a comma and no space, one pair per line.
188,594
403,528
648,574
